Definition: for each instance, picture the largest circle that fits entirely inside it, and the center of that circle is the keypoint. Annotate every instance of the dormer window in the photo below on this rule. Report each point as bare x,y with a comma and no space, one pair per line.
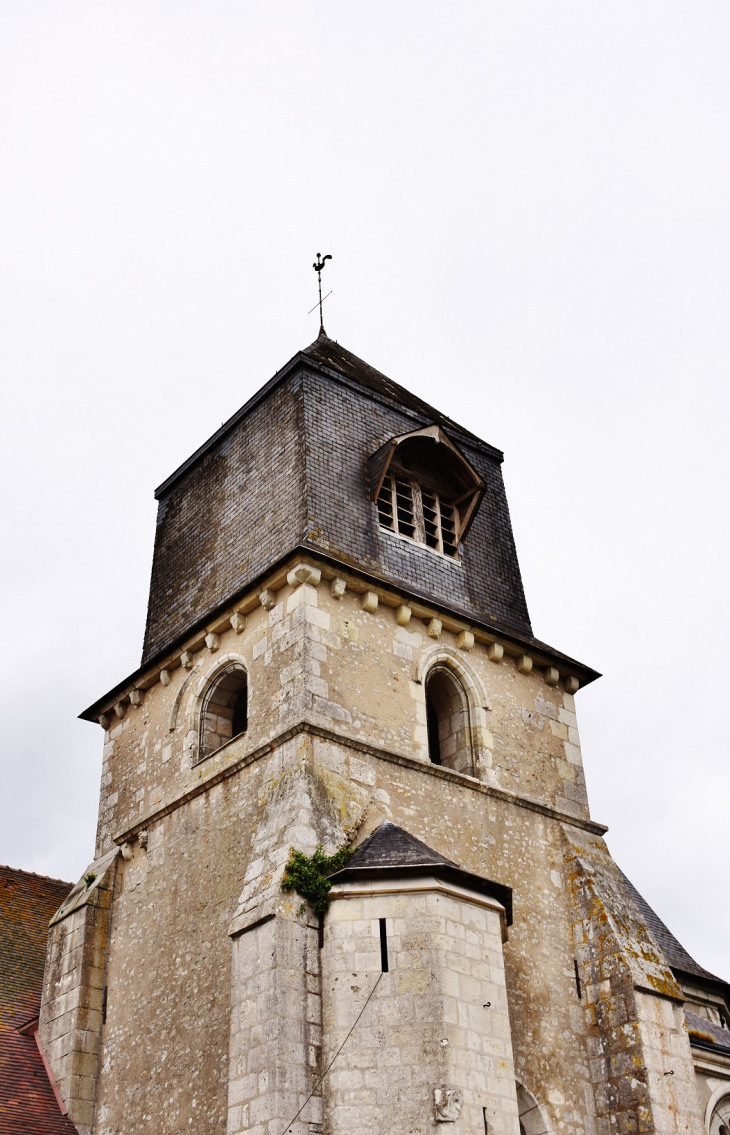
425,489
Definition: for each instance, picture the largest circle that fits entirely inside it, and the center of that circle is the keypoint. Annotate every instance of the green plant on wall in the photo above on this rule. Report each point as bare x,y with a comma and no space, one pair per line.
307,875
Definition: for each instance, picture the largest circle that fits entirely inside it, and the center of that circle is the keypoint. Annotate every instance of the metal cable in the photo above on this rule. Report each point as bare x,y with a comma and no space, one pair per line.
287,1129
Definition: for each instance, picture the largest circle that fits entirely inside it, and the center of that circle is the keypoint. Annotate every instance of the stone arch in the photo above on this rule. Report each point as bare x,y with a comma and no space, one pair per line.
455,707
717,1114
219,709
447,721
532,1117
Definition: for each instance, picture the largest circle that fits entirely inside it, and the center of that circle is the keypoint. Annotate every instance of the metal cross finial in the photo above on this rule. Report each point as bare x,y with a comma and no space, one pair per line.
318,266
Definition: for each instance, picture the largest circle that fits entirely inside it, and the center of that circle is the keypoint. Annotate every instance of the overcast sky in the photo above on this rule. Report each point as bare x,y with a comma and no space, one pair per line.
527,209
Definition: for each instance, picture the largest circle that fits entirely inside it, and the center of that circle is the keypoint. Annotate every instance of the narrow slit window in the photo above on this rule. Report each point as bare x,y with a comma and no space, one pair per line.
383,946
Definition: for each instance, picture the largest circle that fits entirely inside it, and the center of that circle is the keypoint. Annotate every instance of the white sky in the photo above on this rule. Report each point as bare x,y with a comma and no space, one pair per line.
527,206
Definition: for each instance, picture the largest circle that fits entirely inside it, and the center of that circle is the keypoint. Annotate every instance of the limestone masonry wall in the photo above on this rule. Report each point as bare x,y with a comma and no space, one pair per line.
214,989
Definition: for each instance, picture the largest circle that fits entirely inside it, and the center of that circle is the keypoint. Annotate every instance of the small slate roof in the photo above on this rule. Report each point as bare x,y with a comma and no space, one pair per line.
720,1036
391,849
673,950
27,1102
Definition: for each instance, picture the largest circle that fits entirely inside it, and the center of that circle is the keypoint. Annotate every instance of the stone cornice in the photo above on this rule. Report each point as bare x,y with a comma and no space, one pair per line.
131,689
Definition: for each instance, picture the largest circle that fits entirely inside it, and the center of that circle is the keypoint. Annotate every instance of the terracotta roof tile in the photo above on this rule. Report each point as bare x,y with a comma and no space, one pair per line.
27,1101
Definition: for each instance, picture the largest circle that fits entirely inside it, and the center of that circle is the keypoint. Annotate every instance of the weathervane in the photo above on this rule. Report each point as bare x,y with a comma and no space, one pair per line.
318,266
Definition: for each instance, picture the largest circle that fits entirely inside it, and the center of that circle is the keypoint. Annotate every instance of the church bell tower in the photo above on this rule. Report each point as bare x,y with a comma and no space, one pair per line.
338,654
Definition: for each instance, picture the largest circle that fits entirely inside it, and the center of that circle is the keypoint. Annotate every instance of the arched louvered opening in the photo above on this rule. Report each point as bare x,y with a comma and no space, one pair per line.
225,709
447,720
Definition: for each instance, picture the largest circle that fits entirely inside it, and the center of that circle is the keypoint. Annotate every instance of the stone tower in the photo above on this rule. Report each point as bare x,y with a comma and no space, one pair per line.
338,652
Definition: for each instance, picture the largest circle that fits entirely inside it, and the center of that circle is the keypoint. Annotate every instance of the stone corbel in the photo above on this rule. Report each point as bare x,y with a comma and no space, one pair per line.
337,588
304,573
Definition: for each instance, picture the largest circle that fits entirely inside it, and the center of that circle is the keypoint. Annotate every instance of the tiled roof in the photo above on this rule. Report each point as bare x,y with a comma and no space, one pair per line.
672,949
390,849
27,902
330,354
27,1102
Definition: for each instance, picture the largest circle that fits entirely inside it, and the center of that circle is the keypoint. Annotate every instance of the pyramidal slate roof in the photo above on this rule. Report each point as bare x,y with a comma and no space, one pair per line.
390,849
391,846
330,354
673,950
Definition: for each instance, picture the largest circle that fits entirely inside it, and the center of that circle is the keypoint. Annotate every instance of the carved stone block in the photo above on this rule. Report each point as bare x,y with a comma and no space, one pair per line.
447,1104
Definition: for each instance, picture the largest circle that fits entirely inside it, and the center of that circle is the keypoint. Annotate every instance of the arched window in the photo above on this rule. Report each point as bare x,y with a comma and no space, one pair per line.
225,709
532,1120
447,720
717,1120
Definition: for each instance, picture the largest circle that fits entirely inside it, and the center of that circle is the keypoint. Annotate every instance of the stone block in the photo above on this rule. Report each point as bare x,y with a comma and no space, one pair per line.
403,615
465,640
524,664
369,602
495,652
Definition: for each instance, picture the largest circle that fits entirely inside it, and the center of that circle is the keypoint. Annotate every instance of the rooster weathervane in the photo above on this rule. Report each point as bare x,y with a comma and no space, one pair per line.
318,266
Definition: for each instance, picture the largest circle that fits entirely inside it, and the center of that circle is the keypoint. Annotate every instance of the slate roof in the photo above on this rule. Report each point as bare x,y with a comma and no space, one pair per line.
672,949
328,353
27,1102
391,849
720,1036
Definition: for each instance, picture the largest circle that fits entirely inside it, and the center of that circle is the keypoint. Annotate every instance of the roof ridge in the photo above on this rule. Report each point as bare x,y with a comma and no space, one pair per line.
34,875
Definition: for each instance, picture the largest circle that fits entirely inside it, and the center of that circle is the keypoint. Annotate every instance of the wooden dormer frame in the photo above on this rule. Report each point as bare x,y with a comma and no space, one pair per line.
379,463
